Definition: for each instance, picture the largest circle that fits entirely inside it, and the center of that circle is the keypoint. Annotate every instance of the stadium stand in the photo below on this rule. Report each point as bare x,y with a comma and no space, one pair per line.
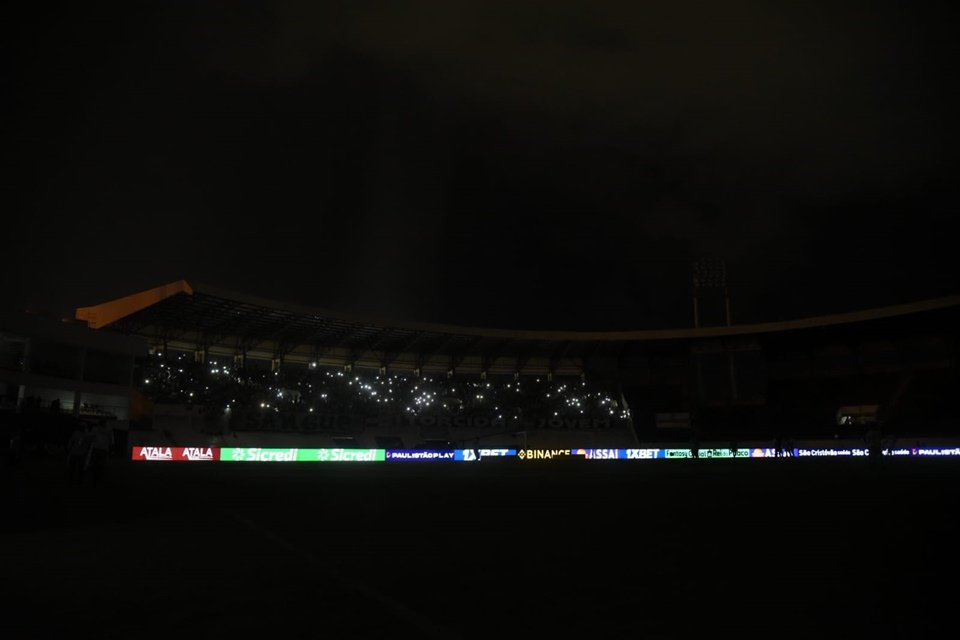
229,368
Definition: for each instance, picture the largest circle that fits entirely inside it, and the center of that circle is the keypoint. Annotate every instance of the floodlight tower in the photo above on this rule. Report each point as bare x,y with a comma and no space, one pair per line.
710,277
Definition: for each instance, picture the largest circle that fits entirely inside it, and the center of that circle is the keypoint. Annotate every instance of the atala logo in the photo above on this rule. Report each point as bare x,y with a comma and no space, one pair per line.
198,453
156,453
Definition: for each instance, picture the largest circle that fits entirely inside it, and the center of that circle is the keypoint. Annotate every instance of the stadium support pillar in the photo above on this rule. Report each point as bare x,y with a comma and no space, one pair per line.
275,364
200,356
77,397
733,375
239,360
483,374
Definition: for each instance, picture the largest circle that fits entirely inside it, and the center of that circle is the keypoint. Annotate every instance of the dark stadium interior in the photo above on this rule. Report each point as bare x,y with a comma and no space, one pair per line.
820,548
460,319
569,547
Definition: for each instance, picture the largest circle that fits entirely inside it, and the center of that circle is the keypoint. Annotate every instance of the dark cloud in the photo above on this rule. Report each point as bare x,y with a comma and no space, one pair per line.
553,165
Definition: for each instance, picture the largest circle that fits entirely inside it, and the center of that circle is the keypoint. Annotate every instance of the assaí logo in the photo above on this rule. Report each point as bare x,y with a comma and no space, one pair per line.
156,453
602,454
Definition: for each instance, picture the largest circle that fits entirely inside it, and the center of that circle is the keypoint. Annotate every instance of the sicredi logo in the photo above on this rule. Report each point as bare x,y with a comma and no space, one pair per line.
256,454
352,455
156,453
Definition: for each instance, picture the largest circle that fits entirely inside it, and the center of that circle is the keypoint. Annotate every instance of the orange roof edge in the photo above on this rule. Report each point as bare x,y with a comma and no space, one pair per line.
101,315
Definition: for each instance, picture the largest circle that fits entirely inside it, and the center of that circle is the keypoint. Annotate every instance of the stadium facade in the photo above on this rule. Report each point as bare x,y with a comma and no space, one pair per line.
824,376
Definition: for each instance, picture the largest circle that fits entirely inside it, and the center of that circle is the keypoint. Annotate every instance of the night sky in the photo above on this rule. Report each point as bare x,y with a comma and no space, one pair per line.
556,165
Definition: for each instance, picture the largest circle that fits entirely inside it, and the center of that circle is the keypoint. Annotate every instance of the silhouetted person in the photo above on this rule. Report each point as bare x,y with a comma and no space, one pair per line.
99,450
15,445
77,449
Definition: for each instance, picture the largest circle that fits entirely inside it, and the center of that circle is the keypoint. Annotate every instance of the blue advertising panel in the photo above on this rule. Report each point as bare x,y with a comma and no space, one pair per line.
936,451
601,454
829,453
420,454
472,455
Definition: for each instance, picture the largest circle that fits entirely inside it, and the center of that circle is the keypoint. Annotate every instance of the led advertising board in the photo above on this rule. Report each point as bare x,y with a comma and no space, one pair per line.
472,455
830,452
544,454
257,454
188,454
346,455
420,454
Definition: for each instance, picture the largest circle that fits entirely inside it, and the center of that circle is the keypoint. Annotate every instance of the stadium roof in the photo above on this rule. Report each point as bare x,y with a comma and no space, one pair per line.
193,317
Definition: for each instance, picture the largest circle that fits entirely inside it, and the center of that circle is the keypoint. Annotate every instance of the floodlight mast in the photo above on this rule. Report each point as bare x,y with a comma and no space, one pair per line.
710,274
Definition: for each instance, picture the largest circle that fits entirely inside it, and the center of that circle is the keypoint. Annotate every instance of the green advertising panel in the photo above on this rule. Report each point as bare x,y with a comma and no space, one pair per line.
347,455
258,454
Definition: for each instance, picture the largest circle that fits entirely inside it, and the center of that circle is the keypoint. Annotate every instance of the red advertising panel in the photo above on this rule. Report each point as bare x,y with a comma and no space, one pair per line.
191,454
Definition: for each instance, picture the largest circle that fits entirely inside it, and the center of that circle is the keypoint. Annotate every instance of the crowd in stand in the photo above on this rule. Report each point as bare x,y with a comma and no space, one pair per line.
218,386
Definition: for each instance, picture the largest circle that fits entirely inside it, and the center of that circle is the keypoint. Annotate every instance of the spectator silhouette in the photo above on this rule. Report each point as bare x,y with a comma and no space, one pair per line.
77,449
99,451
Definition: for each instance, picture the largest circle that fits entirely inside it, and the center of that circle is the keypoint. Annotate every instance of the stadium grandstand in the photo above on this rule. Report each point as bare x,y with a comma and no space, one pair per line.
237,368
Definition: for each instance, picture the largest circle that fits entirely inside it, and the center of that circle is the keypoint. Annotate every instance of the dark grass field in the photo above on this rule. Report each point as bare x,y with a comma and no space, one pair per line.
571,548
